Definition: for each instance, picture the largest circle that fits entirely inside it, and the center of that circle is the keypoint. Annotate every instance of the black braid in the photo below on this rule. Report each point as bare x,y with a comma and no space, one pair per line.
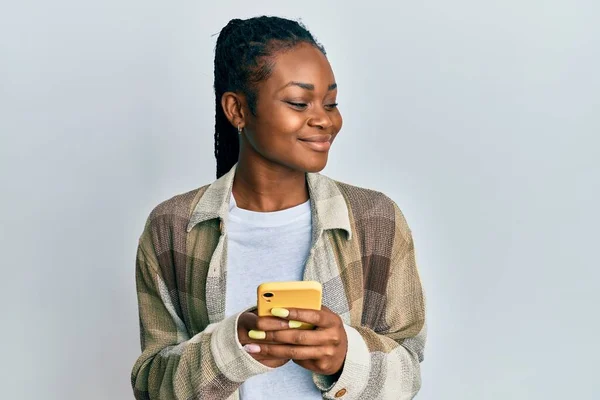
243,57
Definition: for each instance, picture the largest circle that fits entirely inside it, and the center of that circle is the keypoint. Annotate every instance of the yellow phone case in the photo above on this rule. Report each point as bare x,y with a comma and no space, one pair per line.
294,294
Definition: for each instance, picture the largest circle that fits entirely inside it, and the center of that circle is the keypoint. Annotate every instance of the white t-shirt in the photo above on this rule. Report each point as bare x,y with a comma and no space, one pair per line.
266,247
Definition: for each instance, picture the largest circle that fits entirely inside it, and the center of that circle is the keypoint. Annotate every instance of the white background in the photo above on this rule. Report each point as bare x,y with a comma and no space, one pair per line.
479,118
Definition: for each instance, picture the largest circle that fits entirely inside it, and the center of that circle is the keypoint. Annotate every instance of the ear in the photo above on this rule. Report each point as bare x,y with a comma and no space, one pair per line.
233,107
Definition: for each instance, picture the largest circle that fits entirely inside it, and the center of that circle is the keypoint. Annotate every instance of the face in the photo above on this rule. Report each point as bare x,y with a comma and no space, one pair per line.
297,117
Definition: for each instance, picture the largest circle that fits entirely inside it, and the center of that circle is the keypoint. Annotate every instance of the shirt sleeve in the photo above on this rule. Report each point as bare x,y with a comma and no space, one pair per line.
209,365
385,364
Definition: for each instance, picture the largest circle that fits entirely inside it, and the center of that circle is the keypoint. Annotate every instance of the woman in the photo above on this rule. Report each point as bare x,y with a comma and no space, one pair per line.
270,216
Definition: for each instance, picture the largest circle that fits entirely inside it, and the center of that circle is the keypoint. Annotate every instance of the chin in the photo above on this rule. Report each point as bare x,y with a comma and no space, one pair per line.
316,165
303,162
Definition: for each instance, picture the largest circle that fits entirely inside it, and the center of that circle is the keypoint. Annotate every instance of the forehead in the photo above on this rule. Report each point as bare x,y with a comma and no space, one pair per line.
303,63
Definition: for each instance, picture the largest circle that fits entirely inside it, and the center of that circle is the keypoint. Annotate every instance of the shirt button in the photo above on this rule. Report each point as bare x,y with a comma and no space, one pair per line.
221,226
340,393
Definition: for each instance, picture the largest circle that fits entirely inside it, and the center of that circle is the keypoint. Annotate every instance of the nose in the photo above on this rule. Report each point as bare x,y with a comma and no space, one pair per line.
320,119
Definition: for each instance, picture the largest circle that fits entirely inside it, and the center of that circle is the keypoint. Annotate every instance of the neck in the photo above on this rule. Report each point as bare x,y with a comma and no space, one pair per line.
263,186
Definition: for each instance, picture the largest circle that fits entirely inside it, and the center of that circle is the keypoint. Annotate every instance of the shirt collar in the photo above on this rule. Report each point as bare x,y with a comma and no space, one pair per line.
328,205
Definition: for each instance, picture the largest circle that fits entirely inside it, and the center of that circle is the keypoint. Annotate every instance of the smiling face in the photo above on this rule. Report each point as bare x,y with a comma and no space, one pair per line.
296,114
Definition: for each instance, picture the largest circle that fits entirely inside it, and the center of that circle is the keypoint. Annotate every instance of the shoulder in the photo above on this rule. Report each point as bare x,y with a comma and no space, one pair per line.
373,207
179,205
364,200
173,213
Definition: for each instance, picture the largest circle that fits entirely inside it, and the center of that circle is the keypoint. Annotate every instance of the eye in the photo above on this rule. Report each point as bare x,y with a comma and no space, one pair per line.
297,105
331,106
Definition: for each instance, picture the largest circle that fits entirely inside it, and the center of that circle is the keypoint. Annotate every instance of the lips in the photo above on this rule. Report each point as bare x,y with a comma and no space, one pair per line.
320,143
317,139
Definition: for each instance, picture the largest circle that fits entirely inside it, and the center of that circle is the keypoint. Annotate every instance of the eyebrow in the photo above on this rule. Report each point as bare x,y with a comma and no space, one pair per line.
308,86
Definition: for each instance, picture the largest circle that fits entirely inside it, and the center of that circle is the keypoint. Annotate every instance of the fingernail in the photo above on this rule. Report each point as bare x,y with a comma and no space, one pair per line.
295,324
252,348
257,334
280,312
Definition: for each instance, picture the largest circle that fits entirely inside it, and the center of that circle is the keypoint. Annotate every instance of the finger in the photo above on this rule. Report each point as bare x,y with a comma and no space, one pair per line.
292,352
298,337
247,321
326,309
254,351
266,357
248,340
259,357
271,324
252,336
319,318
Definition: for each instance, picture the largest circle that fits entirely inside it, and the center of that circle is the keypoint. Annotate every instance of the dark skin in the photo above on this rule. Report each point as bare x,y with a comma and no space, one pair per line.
295,103
322,350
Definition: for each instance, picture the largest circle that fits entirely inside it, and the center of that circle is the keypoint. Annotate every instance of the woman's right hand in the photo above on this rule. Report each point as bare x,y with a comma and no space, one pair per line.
250,321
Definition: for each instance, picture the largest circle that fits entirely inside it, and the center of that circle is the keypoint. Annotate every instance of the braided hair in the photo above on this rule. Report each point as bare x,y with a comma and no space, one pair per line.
244,57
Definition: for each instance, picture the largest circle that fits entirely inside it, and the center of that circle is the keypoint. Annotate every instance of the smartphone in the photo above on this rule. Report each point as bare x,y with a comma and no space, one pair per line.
294,294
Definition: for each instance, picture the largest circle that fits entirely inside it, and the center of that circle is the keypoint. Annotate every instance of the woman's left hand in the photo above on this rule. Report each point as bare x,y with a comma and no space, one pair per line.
322,350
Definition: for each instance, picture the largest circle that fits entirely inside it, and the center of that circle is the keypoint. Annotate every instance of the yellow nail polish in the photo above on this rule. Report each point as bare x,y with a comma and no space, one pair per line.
280,312
257,335
295,324
300,325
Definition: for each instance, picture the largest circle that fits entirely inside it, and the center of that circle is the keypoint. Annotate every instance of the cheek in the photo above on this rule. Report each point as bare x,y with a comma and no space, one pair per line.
283,122
277,131
290,121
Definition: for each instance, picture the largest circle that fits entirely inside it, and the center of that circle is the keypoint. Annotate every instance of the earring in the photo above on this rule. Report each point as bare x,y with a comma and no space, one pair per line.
239,129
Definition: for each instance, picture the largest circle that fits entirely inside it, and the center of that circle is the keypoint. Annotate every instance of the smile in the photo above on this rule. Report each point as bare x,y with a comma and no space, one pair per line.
317,146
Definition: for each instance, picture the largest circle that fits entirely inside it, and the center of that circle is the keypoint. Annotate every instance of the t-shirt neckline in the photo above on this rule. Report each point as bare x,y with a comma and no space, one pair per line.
271,218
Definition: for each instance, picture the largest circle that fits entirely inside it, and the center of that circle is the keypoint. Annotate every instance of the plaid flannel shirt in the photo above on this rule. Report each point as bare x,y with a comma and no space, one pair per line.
362,253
